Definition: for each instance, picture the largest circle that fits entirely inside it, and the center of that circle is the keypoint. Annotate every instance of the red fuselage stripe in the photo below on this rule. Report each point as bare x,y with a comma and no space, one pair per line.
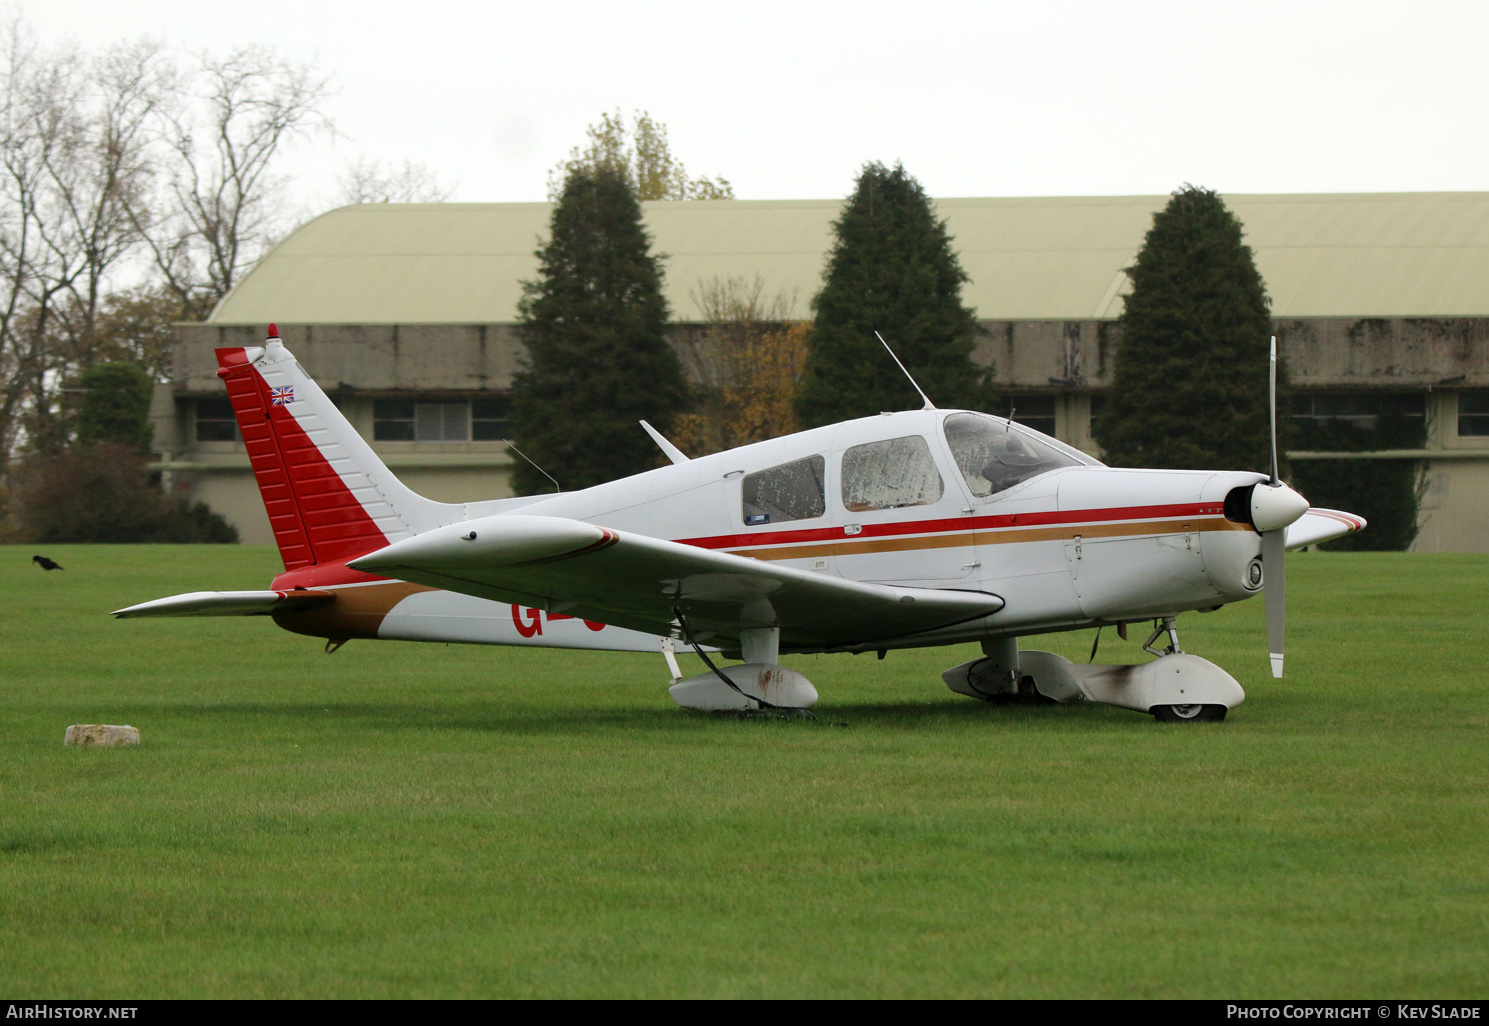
327,574
960,524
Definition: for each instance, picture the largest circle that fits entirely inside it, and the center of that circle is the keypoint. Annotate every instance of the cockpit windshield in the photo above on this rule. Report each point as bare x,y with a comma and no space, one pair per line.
994,456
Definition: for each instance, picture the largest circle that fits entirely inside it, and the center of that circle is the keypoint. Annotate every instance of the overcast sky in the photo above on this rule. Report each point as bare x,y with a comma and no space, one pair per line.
788,100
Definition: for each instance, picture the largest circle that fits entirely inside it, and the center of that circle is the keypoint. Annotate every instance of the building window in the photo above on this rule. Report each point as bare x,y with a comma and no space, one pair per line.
215,421
393,420
407,420
1359,409
1359,421
490,420
1032,411
442,422
1473,414
1097,402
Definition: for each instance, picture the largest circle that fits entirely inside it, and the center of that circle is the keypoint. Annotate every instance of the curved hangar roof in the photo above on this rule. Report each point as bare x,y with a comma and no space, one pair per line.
1361,255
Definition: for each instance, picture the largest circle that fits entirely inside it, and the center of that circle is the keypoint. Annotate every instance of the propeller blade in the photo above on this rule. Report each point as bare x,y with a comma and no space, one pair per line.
1272,406
1274,592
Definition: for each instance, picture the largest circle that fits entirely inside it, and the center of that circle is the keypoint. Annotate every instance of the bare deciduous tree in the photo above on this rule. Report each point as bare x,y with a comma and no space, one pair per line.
73,164
367,181
129,159
101,176
24,139
223,137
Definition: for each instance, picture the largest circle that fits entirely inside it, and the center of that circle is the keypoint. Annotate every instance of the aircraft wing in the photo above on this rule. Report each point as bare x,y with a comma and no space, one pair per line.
226,603
1321,525
634,581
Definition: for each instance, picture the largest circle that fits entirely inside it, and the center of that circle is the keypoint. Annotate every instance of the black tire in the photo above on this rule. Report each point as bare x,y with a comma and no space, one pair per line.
1029,692
1188,713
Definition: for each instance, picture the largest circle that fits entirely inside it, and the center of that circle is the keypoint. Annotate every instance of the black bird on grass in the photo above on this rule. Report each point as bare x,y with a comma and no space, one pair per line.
46,564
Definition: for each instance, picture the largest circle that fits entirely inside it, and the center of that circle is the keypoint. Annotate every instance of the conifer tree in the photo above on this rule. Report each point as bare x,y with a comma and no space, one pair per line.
891,270
1189,384
597,359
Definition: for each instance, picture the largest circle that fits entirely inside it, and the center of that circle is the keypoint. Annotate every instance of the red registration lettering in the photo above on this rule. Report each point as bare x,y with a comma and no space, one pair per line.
534,622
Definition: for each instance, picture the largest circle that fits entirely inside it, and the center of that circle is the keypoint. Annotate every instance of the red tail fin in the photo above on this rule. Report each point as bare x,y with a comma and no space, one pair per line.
315,517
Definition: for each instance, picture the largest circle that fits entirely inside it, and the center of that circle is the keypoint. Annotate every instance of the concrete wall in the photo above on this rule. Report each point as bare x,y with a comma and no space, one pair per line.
1327,352
1396,353
1455,507
235,495
376,358
1057,355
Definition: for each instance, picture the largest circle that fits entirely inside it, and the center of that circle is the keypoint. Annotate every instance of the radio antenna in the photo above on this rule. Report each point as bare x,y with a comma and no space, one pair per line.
928,404
539,469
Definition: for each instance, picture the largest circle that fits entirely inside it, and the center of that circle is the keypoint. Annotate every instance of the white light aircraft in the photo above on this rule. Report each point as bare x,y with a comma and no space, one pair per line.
905,530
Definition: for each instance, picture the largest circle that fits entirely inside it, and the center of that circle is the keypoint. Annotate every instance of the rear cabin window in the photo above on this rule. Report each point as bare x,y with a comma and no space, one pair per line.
890,474
992,456
792,491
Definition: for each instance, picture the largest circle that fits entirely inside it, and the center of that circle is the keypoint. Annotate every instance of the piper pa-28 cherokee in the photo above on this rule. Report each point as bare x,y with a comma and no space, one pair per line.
905,530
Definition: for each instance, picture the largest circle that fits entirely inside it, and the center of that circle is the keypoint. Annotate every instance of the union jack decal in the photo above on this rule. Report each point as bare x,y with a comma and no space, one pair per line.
281,396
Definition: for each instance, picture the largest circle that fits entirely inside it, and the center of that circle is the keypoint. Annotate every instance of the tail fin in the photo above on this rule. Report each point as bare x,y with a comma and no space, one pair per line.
328,496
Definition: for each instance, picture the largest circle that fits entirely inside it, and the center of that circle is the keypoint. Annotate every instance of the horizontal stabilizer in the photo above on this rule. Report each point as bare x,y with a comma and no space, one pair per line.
226,603
1321,525
639,582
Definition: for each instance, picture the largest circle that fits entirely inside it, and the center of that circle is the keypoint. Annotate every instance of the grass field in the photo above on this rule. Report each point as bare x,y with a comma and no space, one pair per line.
427,821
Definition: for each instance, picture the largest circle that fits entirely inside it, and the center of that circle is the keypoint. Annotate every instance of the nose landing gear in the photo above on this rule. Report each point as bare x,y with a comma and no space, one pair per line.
1166,625
1173,688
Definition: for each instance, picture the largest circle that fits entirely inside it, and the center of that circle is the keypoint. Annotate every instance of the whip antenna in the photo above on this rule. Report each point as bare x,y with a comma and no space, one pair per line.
928,404
519,452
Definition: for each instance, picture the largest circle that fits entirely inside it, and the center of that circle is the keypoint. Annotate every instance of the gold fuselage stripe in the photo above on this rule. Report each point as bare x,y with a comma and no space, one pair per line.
1004,537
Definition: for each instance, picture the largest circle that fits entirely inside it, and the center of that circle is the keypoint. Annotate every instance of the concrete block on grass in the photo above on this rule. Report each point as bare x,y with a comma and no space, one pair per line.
104,735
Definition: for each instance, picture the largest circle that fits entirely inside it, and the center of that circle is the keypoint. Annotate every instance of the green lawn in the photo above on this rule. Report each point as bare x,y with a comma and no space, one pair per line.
406,820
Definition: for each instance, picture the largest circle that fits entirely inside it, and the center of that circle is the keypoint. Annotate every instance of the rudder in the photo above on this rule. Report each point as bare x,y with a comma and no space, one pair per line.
328,496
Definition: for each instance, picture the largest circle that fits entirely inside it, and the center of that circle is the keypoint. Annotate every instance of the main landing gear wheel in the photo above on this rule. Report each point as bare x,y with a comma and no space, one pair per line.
1189,713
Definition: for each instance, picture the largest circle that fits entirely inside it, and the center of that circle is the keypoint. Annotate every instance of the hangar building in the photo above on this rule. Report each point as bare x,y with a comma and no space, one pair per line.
406,315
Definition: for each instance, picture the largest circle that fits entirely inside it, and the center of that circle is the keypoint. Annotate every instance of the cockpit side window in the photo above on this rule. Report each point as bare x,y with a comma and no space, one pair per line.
792,491
890,474
993,456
